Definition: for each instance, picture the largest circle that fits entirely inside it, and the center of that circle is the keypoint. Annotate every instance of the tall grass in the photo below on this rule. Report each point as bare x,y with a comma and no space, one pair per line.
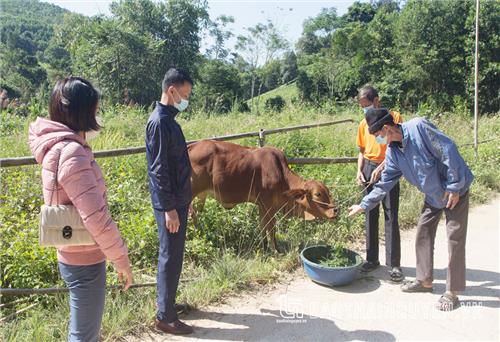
223,255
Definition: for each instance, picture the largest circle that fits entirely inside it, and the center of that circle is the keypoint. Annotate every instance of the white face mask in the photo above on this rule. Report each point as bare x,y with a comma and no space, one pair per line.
92,134
182,105
365,109
381,139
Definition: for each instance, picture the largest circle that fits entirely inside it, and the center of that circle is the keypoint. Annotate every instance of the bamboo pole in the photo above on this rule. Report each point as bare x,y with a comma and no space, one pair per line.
476,82
316,161
54,290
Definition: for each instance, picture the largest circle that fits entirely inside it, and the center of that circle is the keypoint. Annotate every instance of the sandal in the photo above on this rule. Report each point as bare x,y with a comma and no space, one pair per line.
414,286
448,302
369,266
396,274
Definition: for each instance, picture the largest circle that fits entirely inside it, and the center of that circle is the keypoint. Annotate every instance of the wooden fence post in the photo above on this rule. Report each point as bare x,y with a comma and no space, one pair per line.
262,137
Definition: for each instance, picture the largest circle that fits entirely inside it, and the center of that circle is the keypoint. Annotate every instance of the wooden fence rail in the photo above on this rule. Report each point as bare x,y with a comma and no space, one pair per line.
21,161
54,290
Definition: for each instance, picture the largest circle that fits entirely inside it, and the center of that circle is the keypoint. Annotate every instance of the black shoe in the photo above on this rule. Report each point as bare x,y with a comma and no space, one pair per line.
177,327
369,266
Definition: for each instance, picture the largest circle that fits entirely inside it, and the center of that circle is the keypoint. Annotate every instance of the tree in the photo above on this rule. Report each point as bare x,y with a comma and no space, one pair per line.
271,75
360,12
24,34
130,51
421,53
220,34
261,45
218,87
382,58
429,44
304,85
174,25
18,62
324,23
318,31
288,67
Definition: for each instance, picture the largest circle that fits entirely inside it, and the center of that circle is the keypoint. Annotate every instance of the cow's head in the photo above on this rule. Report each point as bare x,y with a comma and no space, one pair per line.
314,201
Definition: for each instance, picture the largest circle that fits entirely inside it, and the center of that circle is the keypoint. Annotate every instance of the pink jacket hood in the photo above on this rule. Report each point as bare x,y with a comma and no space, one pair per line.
45,133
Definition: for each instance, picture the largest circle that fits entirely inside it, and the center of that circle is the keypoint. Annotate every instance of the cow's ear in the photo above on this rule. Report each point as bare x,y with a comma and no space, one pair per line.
295,193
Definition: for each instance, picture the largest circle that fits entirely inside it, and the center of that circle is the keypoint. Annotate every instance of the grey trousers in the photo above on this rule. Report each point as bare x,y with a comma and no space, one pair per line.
456,230
87,289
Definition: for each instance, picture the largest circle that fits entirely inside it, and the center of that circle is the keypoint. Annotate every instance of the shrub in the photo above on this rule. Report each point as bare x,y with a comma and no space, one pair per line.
275,103
243,107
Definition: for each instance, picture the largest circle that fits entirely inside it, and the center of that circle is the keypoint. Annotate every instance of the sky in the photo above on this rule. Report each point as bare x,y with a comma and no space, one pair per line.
288,16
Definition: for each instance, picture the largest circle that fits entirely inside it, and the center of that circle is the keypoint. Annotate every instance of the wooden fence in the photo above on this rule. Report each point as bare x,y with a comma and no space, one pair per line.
261,135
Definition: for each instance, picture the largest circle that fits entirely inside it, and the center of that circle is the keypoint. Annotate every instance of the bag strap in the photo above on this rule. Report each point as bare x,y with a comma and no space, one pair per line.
55,186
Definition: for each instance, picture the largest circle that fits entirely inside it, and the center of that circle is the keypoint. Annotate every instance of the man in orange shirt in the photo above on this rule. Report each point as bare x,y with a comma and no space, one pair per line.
370,166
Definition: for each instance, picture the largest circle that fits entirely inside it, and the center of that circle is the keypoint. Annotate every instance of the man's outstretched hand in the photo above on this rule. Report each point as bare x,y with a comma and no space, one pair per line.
355,209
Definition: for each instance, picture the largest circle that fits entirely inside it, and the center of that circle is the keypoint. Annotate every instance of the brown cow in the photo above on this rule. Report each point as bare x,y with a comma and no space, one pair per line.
235,174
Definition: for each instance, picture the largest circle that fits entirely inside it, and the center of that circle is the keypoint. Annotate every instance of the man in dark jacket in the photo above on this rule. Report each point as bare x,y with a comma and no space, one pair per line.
169,173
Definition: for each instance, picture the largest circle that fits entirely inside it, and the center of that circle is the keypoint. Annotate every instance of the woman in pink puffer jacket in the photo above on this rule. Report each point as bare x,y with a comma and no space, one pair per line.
62,139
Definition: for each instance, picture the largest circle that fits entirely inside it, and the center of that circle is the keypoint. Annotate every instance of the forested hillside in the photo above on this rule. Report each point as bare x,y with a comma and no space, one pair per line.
418,53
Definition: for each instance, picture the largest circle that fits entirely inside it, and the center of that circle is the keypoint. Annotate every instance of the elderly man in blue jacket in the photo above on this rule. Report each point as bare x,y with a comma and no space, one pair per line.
429,160
169,173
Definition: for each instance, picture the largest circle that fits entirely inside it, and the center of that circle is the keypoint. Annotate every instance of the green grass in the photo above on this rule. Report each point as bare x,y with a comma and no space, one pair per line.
223,256
132,312
337,256
288,92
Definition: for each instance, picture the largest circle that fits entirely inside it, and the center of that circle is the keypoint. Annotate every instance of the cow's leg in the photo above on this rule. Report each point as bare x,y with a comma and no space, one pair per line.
267,227
262,228
272,232
198,208
200,204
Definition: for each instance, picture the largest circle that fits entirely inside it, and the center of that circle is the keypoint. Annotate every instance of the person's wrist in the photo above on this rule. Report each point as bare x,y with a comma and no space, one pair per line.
170,212
123,264
362,206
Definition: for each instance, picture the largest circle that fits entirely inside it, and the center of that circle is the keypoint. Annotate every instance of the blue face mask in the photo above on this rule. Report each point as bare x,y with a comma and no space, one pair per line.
182,105
365,109
381,140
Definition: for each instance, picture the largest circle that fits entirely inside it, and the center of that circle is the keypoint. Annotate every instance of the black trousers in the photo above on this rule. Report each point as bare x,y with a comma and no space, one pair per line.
390,204
169,263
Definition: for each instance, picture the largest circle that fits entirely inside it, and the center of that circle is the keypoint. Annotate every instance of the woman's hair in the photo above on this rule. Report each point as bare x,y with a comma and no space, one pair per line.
73,102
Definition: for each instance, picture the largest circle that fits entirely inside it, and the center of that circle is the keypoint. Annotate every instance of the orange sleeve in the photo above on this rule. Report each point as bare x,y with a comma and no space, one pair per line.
360,138
397,117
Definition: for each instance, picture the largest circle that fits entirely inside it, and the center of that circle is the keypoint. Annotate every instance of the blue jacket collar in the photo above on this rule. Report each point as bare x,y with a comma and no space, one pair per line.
404,132
166,109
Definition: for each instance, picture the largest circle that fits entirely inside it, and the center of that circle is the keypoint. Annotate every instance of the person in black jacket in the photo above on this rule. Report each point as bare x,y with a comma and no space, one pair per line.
169,173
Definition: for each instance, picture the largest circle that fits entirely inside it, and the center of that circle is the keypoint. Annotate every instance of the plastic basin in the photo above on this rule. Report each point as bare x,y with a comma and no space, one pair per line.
330,276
